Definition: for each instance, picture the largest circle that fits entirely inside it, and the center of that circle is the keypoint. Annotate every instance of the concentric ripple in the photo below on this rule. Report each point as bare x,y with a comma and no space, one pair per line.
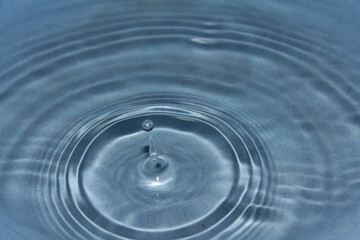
185,120
210,182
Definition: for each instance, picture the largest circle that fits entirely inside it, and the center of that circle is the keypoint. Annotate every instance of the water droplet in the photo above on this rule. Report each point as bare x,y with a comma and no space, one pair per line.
147,125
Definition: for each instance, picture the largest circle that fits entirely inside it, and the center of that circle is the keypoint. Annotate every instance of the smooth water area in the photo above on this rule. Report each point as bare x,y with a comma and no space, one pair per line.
180,120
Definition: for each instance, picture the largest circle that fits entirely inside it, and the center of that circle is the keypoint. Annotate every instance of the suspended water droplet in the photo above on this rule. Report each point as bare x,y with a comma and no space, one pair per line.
147,125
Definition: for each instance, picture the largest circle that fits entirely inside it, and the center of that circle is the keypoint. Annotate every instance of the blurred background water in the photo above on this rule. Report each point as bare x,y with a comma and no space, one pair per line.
179,119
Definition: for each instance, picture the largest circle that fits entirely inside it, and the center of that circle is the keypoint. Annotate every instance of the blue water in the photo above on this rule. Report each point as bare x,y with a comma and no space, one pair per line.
180,120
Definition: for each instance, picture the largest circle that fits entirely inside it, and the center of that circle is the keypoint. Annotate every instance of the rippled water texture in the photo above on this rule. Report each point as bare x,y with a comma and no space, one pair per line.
179,120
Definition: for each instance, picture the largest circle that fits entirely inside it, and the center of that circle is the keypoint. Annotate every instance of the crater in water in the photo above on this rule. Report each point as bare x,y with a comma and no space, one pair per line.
200,119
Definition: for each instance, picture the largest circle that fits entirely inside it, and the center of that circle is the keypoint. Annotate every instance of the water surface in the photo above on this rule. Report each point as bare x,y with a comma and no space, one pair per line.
179,120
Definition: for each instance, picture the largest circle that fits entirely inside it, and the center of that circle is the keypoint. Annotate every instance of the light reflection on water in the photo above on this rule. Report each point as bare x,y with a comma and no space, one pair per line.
253,107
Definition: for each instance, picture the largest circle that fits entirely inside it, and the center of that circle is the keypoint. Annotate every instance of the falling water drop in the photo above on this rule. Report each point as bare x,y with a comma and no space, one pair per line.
147,125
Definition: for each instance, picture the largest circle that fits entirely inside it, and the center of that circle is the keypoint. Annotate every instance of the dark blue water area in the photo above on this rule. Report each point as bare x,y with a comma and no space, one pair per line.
180,120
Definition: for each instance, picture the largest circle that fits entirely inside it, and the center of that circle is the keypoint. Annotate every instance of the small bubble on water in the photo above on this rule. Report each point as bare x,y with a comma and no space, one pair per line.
147,125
